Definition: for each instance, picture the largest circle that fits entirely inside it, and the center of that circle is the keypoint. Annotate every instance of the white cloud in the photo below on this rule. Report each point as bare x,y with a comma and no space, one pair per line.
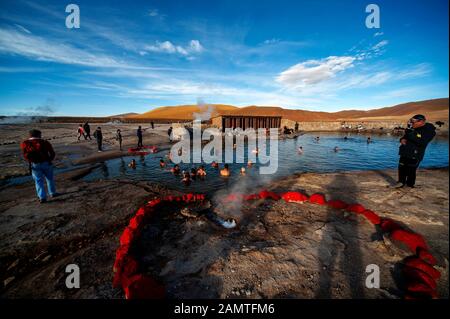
380,45
271,41
193,47
20,70
41,49
313,72
22,28
153,13
378,34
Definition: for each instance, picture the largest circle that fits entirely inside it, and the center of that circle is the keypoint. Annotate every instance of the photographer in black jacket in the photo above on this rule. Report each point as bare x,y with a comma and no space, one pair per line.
412,149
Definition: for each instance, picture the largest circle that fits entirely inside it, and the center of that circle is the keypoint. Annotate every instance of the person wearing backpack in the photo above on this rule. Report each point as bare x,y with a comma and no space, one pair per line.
40,154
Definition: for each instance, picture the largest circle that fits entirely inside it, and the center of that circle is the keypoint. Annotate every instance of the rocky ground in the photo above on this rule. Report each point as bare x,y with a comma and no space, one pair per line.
279,250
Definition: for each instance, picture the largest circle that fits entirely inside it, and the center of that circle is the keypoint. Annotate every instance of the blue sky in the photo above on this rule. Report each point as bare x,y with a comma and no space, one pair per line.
132,56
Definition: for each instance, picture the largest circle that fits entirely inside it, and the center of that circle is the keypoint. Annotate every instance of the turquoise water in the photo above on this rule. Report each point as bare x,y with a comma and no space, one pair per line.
318,156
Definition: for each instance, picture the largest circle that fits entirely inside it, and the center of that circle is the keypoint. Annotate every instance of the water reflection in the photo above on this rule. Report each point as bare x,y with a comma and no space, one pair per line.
318,155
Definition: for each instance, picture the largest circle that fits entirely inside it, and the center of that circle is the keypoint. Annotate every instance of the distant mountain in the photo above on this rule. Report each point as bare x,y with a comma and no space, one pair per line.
125,114
433,109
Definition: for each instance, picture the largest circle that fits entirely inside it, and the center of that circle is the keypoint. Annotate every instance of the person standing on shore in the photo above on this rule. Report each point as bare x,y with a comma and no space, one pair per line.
412,149
139,135
119,138
152,124
87,130
80,132
296,126
39,154
169,132
99,137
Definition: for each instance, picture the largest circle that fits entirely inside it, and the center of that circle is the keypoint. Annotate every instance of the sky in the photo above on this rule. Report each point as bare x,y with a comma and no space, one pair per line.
134,56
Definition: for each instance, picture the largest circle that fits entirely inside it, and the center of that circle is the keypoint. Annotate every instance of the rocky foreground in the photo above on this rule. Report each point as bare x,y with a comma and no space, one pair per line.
278,250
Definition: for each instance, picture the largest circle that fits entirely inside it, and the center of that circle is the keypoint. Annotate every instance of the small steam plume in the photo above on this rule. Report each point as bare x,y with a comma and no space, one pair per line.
32,114
205,113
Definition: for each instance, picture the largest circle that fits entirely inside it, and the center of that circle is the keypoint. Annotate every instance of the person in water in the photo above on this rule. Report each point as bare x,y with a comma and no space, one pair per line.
193,173
249,163
175,169
186,180
132,164
225,171
317,138
201,171
369,140
336,149
242,170
300,150
345,138
214,164
162,164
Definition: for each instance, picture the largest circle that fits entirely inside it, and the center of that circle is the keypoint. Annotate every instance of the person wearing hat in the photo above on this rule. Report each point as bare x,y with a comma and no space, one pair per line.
412,149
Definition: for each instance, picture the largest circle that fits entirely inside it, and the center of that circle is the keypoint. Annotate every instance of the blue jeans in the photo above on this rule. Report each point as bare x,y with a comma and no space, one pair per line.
41,171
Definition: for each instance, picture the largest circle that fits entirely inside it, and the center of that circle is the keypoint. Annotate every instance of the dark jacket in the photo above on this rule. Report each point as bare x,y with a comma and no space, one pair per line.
417,141
98,135
139,132
87,128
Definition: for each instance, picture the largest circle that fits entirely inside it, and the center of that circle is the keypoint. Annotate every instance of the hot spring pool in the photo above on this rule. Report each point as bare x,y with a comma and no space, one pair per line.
354,154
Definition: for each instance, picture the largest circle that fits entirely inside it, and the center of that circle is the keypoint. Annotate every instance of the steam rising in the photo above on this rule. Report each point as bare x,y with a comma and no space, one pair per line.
32,114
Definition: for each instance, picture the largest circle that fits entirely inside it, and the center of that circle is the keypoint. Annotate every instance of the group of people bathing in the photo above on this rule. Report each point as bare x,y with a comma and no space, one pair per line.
196,172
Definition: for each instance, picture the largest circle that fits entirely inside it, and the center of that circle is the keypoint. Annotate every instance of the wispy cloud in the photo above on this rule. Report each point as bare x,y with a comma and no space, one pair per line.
153,13
38,48
337,73
6,69
22,28
193,47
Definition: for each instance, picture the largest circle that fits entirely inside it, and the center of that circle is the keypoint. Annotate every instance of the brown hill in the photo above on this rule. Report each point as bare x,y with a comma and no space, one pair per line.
433,109
184,112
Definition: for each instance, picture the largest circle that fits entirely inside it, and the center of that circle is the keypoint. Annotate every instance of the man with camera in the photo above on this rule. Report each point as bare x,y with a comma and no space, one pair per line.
412,149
